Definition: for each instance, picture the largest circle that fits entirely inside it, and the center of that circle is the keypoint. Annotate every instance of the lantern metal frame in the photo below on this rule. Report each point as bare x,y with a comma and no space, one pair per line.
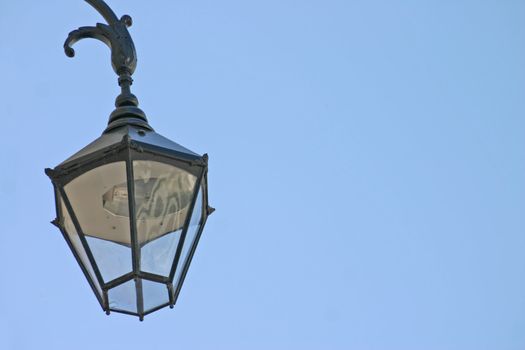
127,138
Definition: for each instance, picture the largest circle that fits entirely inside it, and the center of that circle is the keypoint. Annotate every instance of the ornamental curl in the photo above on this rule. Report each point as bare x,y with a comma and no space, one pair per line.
114,34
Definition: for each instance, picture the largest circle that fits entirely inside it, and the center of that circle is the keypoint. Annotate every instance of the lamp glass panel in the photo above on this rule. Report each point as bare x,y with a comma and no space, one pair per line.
113,259
155,294
77,243
123,297
157,256
163,195
191,235
107,233
88,193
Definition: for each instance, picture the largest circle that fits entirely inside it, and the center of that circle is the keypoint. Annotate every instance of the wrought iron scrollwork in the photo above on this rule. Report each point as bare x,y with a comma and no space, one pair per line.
116,36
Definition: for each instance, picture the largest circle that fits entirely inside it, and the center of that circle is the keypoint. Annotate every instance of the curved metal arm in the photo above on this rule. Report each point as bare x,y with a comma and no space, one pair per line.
123,59
115,34
83,33
104,10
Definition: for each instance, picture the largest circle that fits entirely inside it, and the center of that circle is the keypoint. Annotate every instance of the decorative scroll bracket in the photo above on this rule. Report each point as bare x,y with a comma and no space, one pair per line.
116,36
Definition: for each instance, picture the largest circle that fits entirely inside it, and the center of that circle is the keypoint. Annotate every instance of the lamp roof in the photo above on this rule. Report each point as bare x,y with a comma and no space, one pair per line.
144,137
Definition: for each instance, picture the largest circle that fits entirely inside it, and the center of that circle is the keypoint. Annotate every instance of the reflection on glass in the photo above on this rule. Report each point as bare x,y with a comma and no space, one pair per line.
115,200
155,294
164,196
193,229
123,297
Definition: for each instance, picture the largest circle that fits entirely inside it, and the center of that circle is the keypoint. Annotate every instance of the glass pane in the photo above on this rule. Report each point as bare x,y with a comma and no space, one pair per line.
193,229
155,294
88,195
123,297
113,259
77,244
157,256
163,195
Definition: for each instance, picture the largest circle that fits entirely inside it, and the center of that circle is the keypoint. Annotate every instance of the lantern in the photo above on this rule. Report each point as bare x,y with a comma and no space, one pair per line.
132,204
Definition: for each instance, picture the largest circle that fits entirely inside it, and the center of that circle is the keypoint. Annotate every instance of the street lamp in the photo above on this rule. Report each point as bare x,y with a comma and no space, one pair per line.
132,204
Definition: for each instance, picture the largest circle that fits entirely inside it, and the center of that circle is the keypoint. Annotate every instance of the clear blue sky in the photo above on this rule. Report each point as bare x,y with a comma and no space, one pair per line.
367,163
